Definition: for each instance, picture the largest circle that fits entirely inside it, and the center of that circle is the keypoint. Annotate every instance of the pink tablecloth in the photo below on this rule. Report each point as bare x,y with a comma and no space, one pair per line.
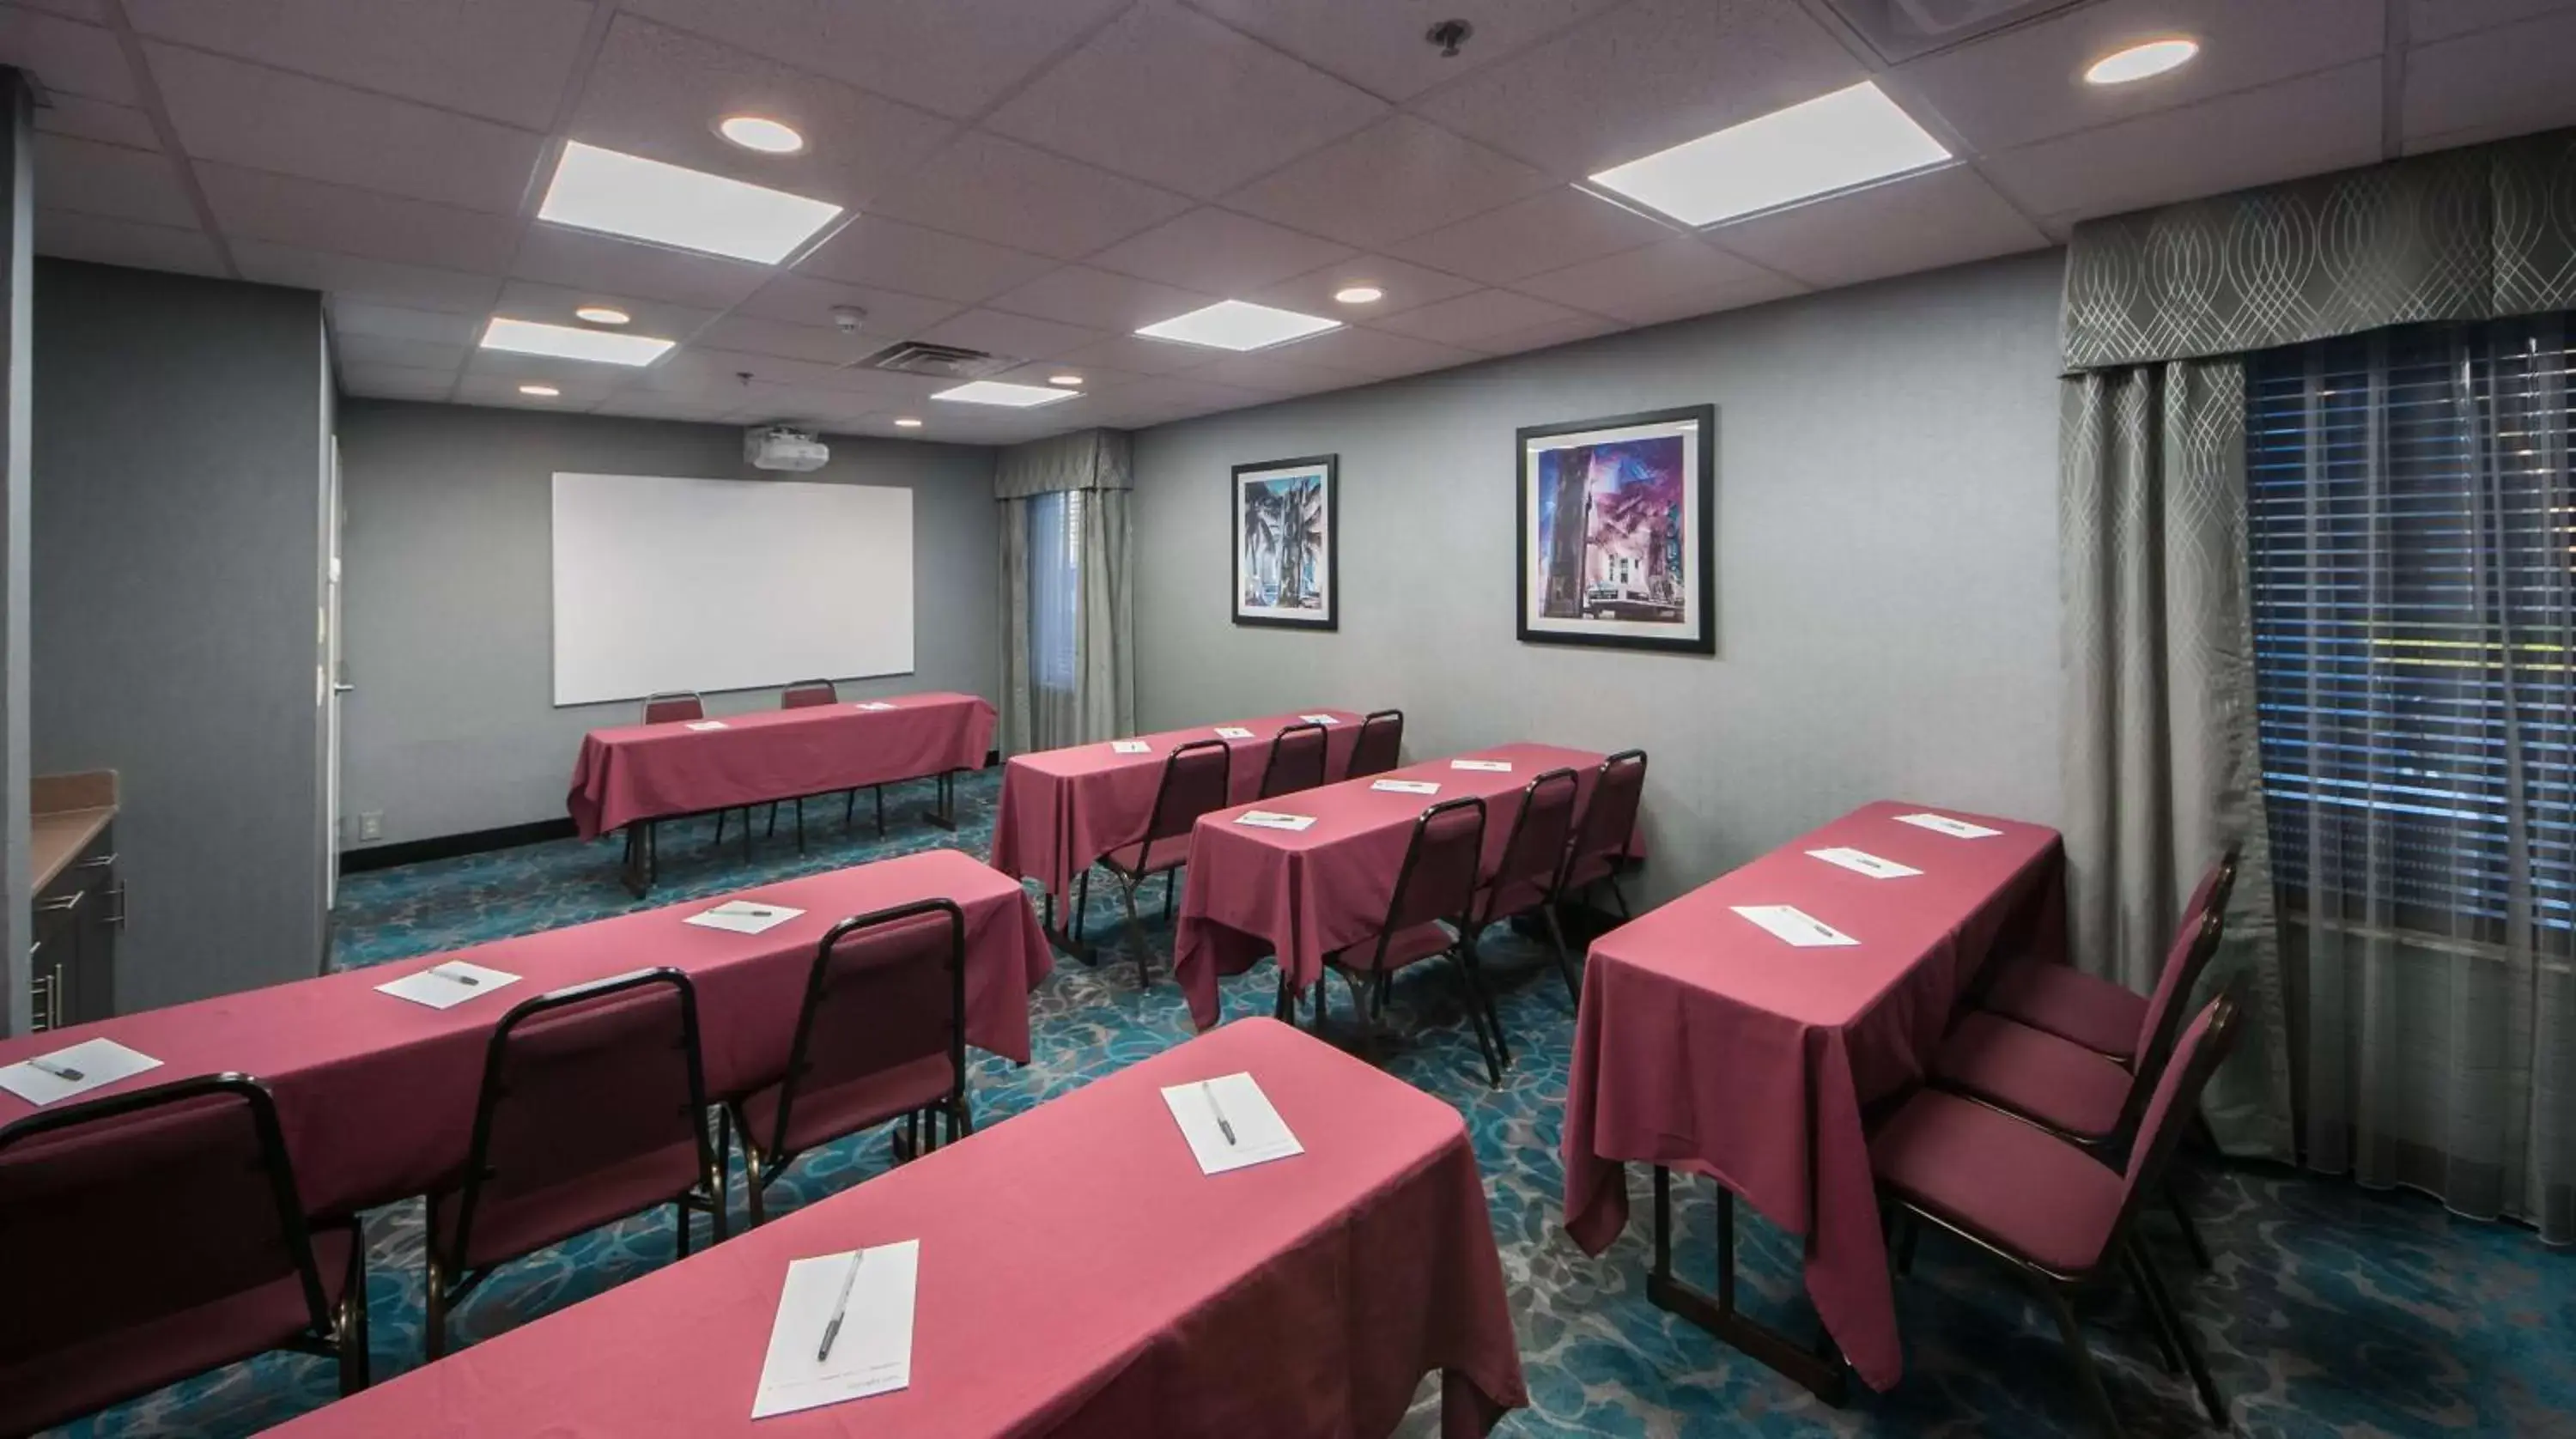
1079,1276
651,771
1301,894
1703,1043
376,1094
1062,809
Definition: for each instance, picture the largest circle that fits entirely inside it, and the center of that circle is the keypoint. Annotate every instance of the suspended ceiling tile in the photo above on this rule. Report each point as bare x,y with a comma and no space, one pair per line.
996,189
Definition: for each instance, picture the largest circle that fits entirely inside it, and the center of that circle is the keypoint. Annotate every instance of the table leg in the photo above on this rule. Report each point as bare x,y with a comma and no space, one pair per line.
945,816
1063,939
1818,1370
630,870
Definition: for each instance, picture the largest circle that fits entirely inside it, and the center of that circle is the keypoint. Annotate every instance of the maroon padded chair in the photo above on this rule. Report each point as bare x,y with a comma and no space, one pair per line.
2058,1217
152,1236
1379,746
1609,822
809,694
593,1107
1197,779
1527,877
814,694
1431,913
881,1036
2103,1016
1297,759
674,707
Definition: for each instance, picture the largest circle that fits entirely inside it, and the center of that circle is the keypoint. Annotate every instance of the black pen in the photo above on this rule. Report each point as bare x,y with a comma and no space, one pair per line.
63,1072
464,979
832,1330
1210,1096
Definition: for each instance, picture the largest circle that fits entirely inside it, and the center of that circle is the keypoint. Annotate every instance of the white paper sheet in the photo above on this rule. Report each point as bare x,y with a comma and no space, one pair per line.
872,1352
445,986
1943,824
1795,925
1861,861
708,724
1232,731
873,706
1206,1110
744,916
1488,766
1268,819
1130,746
1405,786
46,1078
1320,719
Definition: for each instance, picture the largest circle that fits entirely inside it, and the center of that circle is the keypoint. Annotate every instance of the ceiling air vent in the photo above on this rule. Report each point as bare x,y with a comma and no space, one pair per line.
940,362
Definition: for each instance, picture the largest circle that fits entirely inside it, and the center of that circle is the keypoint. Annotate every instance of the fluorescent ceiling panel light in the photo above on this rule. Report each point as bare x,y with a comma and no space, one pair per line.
1239,325
997,392
2140,61
1833,142
642,199
529,337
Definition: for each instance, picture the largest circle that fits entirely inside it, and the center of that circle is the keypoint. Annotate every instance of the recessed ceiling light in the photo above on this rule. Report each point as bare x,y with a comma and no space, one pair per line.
1064,379
1360,295
1833,142
529,337
907,423
2138,62
543,392
997,392
1239,325
759,132
642,199
602,315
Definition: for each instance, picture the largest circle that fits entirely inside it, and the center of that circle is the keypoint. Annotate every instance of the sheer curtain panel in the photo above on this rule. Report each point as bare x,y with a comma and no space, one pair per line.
1068,612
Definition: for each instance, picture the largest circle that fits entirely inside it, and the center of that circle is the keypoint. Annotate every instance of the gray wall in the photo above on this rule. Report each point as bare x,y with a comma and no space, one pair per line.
178,482
447,602
1887,562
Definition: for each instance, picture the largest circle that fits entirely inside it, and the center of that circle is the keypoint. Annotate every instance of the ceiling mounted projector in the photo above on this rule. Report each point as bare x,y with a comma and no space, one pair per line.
783,447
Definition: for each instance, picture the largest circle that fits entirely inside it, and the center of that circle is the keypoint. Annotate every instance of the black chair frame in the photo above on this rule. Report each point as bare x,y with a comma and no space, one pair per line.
1130,881
1371,1005
1556,881
1619,861
1270,768
1375,719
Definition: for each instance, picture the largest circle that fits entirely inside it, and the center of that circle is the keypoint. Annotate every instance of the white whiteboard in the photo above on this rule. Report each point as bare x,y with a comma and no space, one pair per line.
673,584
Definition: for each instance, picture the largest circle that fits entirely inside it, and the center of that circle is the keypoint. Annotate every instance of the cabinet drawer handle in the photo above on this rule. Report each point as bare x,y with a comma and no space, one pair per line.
116,916
98,861
61,904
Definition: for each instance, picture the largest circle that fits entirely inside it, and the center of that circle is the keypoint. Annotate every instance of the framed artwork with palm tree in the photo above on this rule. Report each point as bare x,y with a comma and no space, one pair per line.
1616,546
1287,547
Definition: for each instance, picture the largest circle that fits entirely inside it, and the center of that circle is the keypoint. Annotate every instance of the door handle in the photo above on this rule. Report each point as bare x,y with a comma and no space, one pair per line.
341,687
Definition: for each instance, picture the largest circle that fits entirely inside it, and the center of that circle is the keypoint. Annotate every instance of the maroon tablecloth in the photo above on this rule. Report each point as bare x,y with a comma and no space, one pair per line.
1079,1276
376,1094
1705,1044
1300,894
650,771
1062,809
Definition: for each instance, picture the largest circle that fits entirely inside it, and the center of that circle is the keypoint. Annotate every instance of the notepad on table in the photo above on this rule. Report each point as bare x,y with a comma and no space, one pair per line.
1489,766
1130,746
1320,719
871,1347
1405,786
1230,1123
1232,731
744,916
1943,824
1794,925
1861,861
1271,819
873,705
707,724
445,986
72,1071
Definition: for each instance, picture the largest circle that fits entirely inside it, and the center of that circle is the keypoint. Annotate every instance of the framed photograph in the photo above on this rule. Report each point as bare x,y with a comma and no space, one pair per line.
1287,550
1615,540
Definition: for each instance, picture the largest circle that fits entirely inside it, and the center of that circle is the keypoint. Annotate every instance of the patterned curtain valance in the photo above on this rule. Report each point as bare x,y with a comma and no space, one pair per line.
2467,234
1083,460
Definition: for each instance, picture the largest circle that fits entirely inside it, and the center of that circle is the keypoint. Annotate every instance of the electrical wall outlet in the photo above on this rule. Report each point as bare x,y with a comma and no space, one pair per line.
371,824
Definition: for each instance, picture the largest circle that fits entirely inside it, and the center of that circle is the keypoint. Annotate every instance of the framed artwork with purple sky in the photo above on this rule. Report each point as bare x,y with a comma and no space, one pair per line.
1616,546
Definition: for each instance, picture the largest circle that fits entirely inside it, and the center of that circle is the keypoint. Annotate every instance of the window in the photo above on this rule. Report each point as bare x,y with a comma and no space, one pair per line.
1055,588
2413,553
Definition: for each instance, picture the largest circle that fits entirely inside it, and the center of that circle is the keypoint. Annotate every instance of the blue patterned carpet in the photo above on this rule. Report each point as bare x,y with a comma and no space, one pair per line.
2332,1311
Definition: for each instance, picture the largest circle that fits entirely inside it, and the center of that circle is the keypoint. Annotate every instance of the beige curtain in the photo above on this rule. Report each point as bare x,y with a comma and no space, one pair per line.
1068,600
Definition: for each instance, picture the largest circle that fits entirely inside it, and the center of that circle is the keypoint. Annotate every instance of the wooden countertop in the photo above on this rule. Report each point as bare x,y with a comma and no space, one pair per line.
68,812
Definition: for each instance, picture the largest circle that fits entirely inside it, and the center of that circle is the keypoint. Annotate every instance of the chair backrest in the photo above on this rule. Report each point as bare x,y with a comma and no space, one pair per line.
673,707
1379,746
1610,816
2211,893
1296,759
887,991
805,694
593,1107
122,1211
1197,778
2197,1055
1534,855
1441,866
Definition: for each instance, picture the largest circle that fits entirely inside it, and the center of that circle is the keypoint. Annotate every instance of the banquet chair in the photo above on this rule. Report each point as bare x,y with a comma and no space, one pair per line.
814,694
1197,778
2060,1219
2099,1014
1430,913
592,1107
1379,746
157,1234
880,1036
1526,878
674,707
1296,759
1609,821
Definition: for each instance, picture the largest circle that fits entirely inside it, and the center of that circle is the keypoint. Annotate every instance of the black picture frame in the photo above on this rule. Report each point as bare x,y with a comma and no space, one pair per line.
1632,621
1327,612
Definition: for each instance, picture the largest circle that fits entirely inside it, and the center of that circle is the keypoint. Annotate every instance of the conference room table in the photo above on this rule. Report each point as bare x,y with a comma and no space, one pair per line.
1301,894
1705,1043
1062,809
1078,1276
376,1094
633,775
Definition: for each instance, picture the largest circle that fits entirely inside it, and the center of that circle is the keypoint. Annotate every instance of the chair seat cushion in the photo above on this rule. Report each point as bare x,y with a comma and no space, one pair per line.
510,1224
825,1114
2102,1016
2026,1190
1162,854
2028,1071
41,1391
1405,946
